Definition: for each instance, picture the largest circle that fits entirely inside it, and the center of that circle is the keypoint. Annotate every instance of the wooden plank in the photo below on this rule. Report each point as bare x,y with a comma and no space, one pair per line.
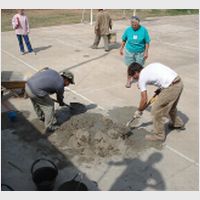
12,80
13,84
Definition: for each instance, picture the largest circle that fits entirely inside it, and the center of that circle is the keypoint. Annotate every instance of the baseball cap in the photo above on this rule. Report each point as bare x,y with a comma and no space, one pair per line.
68,75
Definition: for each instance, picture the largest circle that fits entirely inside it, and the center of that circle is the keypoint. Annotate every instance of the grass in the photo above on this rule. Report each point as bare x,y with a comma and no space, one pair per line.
51,17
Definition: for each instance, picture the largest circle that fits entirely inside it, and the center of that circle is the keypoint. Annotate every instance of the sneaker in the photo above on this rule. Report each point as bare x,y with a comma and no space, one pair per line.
155,137
22,52
93,47
128,85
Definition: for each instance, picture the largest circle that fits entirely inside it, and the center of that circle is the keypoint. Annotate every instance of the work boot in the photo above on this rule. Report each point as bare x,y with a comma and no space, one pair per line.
42,119
172,127
155,137
51,129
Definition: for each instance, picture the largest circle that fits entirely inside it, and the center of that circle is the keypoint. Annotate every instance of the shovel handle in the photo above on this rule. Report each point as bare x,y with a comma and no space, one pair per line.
64,103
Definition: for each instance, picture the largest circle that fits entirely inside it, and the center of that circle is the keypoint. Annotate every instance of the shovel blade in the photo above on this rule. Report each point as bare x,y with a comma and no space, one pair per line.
133,123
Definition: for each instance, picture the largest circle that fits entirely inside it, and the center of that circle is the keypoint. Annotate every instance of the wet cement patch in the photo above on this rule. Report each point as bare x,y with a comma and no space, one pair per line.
88,136
92,136
122,115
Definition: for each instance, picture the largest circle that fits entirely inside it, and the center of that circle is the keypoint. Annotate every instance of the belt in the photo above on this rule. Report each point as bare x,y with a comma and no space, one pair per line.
176,80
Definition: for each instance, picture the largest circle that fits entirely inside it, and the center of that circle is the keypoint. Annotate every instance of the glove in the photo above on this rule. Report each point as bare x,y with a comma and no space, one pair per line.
137,114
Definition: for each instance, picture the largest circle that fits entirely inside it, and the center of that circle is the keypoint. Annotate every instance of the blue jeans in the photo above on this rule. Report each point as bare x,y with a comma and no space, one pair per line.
21,45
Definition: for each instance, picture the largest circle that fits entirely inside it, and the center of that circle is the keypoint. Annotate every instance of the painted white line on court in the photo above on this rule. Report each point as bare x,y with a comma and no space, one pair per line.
83,97
102,108
73,91
30,66
89,90
176,46
181,155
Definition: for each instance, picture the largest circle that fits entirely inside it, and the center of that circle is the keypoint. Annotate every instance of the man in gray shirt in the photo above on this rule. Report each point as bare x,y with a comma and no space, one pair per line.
40,86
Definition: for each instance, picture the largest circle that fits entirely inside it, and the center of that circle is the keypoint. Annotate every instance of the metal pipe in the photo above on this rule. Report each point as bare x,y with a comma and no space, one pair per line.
91,16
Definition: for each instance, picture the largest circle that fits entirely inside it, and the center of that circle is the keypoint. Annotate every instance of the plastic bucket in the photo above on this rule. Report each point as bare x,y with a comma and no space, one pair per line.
5,187
112,37
73,186
44,177
12,115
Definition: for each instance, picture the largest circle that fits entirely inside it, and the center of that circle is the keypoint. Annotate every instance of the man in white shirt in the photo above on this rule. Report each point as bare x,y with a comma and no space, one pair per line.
171,87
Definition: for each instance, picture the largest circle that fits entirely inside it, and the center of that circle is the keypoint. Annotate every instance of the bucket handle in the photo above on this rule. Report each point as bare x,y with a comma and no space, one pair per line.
38,160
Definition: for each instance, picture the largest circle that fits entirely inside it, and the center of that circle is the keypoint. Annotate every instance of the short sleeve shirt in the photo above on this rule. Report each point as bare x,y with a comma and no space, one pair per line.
46,82
136,40
156,74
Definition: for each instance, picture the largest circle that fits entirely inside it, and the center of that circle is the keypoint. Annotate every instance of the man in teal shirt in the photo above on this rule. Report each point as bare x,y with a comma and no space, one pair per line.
136,42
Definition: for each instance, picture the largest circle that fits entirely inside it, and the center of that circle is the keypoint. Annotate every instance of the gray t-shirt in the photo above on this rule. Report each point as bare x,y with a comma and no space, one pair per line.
46,82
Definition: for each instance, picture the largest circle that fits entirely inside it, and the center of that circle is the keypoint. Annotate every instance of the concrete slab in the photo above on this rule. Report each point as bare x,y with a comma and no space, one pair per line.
100,78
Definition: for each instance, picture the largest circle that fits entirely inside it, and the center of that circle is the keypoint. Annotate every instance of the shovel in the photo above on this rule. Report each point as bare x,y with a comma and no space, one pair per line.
152,100
70,107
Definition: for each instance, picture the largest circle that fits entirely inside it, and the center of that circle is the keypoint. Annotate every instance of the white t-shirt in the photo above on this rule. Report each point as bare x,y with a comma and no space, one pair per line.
156,74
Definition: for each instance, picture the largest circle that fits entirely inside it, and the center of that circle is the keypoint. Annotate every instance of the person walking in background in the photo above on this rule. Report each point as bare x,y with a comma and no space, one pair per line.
20,24
101,29
136,41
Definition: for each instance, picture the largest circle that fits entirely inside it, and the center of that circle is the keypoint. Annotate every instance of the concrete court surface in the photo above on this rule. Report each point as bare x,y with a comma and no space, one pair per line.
100,78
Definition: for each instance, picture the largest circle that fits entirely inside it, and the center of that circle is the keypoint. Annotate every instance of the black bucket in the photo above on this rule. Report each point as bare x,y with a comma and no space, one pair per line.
44,177
5,187
73,186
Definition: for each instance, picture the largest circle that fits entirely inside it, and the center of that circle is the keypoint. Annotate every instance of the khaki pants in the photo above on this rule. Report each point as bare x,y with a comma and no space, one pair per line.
44,108
165,106
105,39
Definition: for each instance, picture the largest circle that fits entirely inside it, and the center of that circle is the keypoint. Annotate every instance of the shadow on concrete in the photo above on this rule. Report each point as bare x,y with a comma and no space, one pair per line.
38,49
115,45
183,116
87,61
66,113
21,144
144,124
139,175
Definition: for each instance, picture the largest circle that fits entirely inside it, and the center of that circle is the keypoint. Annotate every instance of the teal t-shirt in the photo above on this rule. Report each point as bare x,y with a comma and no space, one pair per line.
136,40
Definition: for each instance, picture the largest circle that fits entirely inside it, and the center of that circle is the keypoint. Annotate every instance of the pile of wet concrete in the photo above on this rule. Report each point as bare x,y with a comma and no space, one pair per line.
92,135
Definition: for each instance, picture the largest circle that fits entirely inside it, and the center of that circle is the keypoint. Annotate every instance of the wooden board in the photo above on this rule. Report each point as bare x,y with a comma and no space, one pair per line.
12,80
